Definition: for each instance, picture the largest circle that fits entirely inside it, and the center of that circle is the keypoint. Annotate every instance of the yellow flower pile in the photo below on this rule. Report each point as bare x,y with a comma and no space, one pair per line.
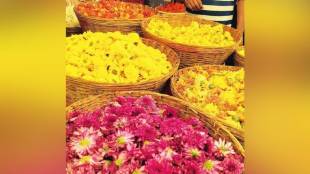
113,58
218,93
241,51
193,34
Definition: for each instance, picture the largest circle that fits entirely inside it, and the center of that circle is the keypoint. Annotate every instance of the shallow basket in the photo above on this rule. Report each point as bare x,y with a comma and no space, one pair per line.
239,60
216,129
89,23
238,133
194,55
77,88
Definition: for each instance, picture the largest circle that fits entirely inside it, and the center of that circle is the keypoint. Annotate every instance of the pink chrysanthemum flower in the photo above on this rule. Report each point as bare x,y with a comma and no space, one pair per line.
89,119
109,119
156,167
224,147
211,167
146,132
146,102
193,152
171,126
232,166
120,123
139,171
121,159
167,154
87,160
170,111
84,139
194,138
72,115
83,169
123,138
192,167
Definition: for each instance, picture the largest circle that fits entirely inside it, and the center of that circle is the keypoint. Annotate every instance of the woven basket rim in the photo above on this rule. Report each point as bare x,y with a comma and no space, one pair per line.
167,76
146,21
171,98
107,19
172,13
176,93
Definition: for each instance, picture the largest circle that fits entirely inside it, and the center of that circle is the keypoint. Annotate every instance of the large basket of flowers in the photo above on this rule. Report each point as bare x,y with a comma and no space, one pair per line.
239,57
217,91
147,132
98,63
196,40
111,15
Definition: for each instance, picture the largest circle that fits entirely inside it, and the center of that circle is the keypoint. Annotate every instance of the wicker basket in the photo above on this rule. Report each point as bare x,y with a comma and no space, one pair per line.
216,129
239,60
194,55
93,24
77,88
238,133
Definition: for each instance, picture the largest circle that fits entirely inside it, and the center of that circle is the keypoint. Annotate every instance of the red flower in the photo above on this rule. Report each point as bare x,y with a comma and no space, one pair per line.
170,111
232,166
146,132
147,102
171,126
156,167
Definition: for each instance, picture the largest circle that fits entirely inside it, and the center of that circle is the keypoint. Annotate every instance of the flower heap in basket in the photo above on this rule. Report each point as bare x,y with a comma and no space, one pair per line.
113,9
194,34
217,93
172,8
138,136
114,58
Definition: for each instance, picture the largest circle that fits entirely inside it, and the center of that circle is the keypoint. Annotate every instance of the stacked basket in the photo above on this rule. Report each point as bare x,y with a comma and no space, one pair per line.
78,88
237,132
193,55
84,95
89,23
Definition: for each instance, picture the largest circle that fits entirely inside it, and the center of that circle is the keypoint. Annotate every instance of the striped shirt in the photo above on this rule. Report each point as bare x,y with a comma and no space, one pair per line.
221,11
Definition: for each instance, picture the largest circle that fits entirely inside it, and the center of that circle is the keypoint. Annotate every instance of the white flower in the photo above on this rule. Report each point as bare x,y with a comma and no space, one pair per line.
194,152
121,122
87,159
224,147
168,153
121,159
211,167
84,139
124,138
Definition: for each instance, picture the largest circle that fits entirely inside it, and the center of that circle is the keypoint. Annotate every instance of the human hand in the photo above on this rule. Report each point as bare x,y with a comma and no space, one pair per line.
193,4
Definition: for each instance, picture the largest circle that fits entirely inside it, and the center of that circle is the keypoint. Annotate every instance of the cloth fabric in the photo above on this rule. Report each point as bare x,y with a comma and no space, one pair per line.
221,11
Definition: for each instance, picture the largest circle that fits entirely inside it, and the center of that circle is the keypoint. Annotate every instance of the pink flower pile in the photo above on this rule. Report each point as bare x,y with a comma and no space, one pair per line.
138,136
